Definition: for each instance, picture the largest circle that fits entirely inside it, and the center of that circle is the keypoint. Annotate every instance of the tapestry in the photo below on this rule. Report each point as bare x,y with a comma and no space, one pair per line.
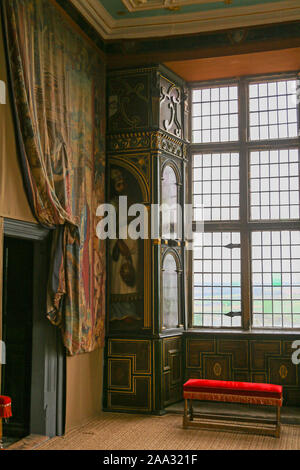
58,85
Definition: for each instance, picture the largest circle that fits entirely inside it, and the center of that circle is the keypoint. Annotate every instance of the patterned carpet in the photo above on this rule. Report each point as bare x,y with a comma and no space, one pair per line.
113,431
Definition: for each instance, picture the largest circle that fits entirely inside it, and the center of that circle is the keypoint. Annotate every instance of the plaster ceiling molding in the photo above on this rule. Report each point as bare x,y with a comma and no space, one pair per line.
143,5
177,23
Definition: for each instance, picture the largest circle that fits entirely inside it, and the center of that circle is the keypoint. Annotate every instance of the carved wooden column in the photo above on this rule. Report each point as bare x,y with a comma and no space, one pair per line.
147,152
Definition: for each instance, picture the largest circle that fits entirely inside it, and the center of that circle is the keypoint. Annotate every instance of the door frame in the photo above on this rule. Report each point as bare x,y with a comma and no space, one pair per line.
48,382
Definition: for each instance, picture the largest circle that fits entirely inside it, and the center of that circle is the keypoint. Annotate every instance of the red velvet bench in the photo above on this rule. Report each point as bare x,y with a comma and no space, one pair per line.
233,392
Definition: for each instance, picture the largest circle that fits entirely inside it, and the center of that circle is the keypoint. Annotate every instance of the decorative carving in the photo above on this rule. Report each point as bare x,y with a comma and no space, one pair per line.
217,369
128,102
132,120
186,110
283,372
155,97
145,140
121,142
161,141
170,108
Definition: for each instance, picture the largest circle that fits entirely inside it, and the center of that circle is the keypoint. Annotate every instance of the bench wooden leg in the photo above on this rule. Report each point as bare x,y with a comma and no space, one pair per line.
278,426
185,414
191,410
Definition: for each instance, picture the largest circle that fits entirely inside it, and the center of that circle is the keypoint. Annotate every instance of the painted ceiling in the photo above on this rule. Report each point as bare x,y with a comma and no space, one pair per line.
116,19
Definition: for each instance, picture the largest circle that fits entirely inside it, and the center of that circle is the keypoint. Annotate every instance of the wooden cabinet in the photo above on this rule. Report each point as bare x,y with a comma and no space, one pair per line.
146,155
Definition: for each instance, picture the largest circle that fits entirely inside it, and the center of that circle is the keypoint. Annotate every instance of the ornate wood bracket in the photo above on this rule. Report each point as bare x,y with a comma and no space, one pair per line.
170,106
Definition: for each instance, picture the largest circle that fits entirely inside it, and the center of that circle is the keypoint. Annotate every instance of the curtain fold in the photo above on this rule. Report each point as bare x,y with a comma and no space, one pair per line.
58,84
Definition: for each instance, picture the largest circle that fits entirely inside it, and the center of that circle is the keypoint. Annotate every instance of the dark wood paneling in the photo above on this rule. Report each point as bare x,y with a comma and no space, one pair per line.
239,351
241,376
129,375
139,399
260,350
195,348
259,377
247,358
120,373
217,367
282,371
172,370
204,45
138,350
129,102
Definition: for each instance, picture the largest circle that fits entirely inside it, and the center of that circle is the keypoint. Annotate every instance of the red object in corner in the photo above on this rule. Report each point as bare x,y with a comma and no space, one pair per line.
5,407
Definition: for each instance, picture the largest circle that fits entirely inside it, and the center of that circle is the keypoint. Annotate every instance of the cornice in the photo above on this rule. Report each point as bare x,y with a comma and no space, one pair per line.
168,25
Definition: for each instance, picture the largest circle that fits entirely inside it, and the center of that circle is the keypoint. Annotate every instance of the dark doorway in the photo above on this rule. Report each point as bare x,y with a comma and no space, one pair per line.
17,331
34,373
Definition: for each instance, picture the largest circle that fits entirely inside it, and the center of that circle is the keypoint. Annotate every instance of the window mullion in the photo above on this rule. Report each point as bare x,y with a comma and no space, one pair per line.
244,206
